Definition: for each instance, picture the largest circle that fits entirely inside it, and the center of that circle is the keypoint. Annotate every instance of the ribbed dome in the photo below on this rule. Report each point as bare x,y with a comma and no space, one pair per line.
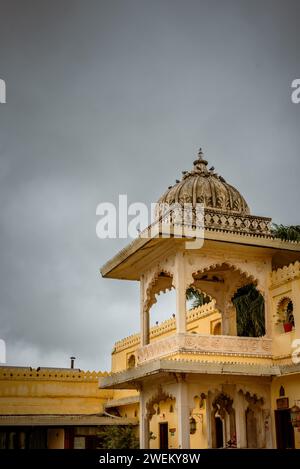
203,185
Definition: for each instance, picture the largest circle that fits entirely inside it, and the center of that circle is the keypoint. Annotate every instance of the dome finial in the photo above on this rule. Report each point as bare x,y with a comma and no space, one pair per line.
201,163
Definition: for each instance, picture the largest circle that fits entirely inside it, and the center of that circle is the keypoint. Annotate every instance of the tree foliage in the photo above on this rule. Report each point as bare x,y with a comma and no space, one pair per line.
196,298
250,311
286,233
118,437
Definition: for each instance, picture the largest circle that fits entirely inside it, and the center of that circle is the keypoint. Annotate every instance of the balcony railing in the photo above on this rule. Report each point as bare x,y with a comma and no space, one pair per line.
206,344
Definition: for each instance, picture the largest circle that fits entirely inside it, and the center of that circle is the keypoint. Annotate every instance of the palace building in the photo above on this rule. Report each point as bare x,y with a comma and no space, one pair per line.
222,372
226,373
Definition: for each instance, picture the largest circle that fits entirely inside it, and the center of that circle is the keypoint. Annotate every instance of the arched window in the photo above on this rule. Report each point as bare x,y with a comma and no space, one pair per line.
285,314
217,329
131,361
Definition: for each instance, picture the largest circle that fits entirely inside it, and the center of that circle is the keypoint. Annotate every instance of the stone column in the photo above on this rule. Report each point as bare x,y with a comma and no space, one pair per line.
296,305
144,317
240,422
180,293
144,422
183,415
208,410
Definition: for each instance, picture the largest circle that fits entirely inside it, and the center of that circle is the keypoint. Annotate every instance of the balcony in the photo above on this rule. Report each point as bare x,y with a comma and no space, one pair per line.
260,347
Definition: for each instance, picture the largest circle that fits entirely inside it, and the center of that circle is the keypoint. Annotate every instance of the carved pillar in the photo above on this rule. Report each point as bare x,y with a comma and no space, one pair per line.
144,317
179,278
144,422
240,408
208,409
296,305
226,321
183,414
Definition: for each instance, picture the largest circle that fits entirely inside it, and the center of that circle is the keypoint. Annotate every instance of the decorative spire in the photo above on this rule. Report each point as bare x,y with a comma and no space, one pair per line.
200,164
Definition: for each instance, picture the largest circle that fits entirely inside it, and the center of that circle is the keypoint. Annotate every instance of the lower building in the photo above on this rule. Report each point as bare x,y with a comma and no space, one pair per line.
53,408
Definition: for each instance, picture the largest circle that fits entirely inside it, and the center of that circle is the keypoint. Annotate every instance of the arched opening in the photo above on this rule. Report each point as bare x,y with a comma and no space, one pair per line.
157,409
131,361
219,432
223,422
250,311
220,282
160,301
164,307
285,315
217,329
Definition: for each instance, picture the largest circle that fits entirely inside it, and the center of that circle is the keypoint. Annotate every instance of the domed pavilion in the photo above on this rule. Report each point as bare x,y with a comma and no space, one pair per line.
225,372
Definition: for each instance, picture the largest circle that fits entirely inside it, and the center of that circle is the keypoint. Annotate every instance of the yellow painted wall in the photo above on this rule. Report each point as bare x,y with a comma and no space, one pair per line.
197,440
25,391
291,386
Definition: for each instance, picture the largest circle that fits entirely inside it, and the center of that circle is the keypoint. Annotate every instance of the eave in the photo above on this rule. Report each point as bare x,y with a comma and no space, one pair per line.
129,262
132,378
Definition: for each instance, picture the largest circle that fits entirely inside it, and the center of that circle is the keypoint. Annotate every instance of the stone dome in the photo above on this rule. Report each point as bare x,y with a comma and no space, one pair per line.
203,185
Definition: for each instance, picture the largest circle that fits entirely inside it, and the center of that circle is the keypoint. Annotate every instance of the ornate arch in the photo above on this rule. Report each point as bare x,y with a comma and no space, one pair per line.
222,403
223,296
162,276
282,311
281,299
214,266
160,395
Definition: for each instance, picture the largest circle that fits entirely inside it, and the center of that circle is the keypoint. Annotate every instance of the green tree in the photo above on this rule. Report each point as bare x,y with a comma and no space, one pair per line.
250,311
195,298
118,437
286,233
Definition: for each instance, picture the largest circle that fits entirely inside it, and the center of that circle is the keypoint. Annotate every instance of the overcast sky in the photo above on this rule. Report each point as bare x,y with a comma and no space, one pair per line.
115,97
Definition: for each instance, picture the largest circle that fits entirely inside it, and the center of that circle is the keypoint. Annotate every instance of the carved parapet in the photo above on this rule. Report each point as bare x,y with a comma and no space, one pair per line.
218,219
206,344
284,274
167,326
50,374
237,223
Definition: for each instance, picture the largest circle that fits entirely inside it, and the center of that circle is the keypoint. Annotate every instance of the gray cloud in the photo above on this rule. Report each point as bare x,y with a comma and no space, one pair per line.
115,97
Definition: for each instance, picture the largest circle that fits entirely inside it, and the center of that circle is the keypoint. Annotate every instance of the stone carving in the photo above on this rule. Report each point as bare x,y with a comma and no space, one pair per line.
285,274
224,206
221,404
167,326
201,185
201,343
161,281
161,395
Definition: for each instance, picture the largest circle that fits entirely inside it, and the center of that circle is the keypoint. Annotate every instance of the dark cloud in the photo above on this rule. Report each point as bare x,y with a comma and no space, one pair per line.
115,97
